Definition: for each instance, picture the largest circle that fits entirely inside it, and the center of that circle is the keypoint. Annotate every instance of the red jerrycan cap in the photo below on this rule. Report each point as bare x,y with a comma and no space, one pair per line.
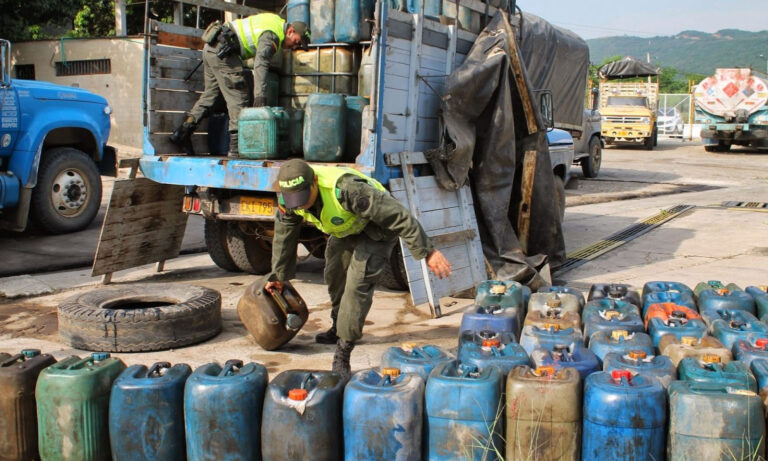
297,394
637,355
493,342
618,374
761,342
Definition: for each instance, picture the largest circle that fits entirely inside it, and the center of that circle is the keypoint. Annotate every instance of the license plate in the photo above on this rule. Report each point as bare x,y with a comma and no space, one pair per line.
257,206
622,133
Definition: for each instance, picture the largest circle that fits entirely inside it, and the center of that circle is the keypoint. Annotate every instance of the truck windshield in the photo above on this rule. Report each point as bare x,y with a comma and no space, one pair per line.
627,101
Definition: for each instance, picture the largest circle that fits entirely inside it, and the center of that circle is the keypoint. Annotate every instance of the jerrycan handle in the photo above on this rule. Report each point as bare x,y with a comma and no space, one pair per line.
309,382
25,354
230,367
93,358
156,369
292,321
12,360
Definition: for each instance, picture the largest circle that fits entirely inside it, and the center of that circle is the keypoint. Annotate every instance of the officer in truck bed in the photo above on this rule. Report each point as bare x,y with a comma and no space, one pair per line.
226,47
363,222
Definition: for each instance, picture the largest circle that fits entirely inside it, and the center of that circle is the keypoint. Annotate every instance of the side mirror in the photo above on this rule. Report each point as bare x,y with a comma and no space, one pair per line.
5,62
547,109
595,98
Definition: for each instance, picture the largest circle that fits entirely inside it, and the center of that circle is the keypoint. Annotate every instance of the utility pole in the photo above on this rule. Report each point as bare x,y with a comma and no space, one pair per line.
121,27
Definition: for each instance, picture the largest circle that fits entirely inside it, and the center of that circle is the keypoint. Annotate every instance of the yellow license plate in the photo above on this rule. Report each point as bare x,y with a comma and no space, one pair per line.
622,133
257,206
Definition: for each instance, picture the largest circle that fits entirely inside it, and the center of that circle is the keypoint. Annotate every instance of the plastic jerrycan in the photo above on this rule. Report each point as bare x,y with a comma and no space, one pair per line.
146,412
624,417
464,413
760,295
325,120
638,362
748,350
553,316
413,358
617,291
222,411
477,337
303,417
383,415
709,421
534,337
716,295
272,318
543,414
609,304
687,346
565,302
620,341
741,325
573,355
321,20
708,370
73,407
620,316
677,326
18,424
263,133
492,317
666,292
493,353
668,286
759,368
297,10
499,292
564,289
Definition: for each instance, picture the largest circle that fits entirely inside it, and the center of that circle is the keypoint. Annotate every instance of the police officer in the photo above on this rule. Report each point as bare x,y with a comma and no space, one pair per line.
226,47
363,223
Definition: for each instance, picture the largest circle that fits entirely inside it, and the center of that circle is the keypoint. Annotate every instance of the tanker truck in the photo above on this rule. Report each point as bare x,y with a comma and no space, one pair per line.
731,107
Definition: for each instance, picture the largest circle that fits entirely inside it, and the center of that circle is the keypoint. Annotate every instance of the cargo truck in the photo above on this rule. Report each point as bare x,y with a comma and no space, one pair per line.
731,107
403,70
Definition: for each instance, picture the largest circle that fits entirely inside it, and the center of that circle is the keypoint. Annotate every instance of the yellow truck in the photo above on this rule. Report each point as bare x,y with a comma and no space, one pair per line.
628,109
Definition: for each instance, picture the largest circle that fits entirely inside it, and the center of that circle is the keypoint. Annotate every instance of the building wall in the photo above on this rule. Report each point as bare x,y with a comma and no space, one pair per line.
122,87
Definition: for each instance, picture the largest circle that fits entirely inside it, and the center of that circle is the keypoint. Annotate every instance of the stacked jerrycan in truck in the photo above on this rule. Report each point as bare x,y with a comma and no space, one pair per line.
73,407
412,358
302,418
146,412
18,424
608,314
383,415
263,133
688,346
638,362
543,414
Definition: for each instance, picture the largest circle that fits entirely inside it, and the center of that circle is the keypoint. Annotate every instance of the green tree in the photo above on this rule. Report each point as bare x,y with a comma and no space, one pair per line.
36,19
96,18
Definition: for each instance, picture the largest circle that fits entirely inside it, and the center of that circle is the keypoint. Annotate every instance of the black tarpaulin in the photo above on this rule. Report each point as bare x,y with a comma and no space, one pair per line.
486,137
556,59
628,67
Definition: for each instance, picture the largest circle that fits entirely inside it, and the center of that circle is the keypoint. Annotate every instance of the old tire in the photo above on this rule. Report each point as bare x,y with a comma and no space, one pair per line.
590,166
68,192
394,276
216,242
250,253
140,317
559,193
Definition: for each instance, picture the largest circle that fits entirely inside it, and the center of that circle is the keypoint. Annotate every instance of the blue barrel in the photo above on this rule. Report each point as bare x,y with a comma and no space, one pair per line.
715,295
355,106
747,351
759,367
574,355
222,410
679,328
324,127
297,10
673,287
658,366
303,417
501,293
462,404
321,18
562,290
624,417
623,317
712,422
617,291
619,341
411,358
146,413
733,374
760,295
662,297
492,318
534,337
492,352
383,414
730,331
543,302
347,26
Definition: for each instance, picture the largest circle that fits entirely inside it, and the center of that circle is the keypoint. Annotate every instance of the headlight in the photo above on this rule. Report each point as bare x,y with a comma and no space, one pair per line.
107,109
604,119
645,119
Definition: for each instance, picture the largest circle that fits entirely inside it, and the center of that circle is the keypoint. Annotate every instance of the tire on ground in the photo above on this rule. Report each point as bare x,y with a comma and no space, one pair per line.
140,317
250,253
590,166
394,276
216,242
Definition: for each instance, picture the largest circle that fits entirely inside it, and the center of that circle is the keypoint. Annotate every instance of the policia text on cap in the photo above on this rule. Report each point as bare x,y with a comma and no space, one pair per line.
226,47
363,223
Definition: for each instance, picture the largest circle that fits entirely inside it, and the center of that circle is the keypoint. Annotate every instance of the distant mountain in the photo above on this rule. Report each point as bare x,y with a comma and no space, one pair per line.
690,50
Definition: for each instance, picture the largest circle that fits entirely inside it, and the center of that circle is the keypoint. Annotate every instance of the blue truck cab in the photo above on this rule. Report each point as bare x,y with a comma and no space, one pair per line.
53,146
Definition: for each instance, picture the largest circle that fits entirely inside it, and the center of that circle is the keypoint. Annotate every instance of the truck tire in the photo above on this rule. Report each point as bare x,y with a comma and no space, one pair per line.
250,253
655,136
216,242
68,192
720,147
559,193
394,276
140,317
648,143
590,165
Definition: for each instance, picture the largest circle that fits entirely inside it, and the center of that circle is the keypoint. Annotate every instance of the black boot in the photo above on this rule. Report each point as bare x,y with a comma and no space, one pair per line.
182,137
341,359
328,337
234,152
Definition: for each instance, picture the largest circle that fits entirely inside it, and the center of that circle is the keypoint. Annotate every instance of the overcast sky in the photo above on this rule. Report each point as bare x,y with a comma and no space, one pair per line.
647,18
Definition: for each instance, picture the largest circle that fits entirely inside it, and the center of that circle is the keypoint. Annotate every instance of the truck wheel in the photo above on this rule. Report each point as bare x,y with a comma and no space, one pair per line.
559,193
655,136
648,144
140,317
216,242
394,276
250,254
590,166
68,192
720,147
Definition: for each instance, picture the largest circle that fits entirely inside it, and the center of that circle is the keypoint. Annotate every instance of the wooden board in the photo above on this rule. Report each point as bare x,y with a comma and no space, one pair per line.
150,214
167,100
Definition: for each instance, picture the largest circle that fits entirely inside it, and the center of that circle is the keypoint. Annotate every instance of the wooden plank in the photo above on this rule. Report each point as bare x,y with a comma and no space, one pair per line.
183,41
413,83
177,70
162,51
158,26
160,229
167,122
163,145
166,100
392,145
394,126
526,190
177,84
419,291
456,255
